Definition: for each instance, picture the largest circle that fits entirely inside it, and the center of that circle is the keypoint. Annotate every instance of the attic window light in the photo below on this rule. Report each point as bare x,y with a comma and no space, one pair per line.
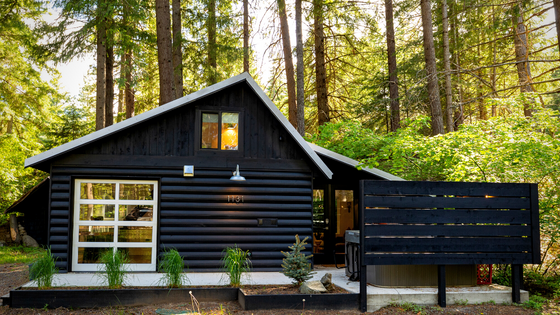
220,131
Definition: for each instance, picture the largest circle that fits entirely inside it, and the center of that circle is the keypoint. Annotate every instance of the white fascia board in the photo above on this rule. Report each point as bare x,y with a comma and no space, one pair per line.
348,161
178,103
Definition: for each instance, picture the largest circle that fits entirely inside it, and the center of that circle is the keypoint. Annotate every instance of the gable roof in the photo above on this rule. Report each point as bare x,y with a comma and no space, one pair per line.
185,100
348,161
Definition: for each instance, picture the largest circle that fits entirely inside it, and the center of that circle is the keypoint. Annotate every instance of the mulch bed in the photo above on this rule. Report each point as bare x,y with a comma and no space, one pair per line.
281,289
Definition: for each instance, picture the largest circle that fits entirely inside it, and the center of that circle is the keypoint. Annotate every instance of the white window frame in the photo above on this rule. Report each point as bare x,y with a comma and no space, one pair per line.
115,224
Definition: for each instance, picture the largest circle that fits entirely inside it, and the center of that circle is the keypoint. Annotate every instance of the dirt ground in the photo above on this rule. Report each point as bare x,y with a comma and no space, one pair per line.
14,275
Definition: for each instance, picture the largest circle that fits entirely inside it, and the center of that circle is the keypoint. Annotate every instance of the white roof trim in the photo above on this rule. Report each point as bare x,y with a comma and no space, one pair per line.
348,161
30,162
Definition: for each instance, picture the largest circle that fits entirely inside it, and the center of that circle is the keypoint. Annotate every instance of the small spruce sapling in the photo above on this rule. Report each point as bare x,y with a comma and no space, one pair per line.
296,264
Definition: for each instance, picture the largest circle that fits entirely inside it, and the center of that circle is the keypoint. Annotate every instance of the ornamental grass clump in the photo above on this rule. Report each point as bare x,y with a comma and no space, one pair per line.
235,262
172,265
296,265
113,268
44,269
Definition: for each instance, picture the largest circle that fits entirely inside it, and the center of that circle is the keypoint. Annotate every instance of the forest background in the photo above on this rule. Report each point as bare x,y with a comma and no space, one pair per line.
454,90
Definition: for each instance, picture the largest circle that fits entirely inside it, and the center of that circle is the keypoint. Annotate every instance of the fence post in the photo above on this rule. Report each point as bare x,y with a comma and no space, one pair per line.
442,299
516,282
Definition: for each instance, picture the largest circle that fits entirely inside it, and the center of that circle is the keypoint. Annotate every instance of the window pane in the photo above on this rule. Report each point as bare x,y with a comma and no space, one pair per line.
96,233
209,131
136,191
230,124
138,255
90,255
97,212
135,234
97,191
135,213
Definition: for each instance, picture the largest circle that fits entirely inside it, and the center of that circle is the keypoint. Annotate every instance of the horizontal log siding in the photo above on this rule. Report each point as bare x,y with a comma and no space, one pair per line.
195,216
60,219
198,220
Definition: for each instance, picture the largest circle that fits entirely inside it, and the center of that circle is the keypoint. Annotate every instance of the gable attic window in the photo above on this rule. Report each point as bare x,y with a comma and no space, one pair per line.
220,130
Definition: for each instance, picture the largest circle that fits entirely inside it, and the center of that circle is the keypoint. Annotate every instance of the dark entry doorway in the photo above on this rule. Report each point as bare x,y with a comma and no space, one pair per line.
334,212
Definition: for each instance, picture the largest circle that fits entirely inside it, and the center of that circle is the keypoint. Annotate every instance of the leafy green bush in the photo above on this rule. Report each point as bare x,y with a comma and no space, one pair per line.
113,268
507,148
172,265
296,265
44,269
235,263
535,302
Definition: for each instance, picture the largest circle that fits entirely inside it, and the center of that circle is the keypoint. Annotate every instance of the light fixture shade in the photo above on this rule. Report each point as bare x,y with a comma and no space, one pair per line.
237,176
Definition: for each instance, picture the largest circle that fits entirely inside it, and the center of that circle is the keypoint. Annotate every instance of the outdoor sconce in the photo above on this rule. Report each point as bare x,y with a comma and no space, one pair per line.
237,176
188,170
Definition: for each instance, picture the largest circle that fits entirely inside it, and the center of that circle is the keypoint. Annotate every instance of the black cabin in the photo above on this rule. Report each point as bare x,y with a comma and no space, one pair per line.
164,179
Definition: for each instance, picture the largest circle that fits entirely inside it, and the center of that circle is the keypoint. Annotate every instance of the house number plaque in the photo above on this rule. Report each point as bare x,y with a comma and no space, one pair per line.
235,199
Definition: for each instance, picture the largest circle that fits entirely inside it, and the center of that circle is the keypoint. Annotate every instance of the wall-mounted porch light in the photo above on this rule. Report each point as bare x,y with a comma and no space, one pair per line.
237,176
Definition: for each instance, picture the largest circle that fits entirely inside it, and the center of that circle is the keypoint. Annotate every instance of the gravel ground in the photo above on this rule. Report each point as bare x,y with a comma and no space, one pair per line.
14,275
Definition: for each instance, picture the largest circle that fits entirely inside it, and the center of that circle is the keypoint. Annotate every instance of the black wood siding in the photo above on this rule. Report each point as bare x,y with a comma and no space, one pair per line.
173,134
195,216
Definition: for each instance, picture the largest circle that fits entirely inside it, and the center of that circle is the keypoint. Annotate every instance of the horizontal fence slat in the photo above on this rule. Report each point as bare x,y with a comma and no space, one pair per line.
446,188
446,202
446,259
447,230
449,245
447,216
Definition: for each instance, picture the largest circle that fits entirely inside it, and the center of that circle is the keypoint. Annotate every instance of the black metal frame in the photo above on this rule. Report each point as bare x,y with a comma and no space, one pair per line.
448,223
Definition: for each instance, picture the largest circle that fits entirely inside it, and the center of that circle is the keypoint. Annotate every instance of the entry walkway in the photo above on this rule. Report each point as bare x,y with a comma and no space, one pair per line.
378,297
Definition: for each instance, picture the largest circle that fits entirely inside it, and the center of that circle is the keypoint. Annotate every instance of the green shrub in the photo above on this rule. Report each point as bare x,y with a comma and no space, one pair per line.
44,269
113,268
296,264
234,263
172,265
535,302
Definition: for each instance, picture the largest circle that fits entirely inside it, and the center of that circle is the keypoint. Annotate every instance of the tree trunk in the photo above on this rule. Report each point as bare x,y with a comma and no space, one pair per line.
177,50
128,90
246,36
101,66
392,62
211,25
14,229
165,63
557,15
109,85
521,56
447,65
10,126
120,97
323,113
288,62
300,72
458,114
430,57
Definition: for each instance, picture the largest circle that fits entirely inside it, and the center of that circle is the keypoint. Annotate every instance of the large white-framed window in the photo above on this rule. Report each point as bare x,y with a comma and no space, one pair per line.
117,215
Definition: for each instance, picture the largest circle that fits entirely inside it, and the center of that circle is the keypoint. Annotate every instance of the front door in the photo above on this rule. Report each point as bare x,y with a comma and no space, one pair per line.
334,212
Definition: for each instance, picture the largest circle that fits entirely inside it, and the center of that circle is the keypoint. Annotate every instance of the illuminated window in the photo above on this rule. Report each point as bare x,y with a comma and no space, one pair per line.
220,130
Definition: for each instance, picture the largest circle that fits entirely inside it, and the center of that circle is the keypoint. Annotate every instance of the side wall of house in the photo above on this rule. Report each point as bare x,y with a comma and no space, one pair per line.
201,215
